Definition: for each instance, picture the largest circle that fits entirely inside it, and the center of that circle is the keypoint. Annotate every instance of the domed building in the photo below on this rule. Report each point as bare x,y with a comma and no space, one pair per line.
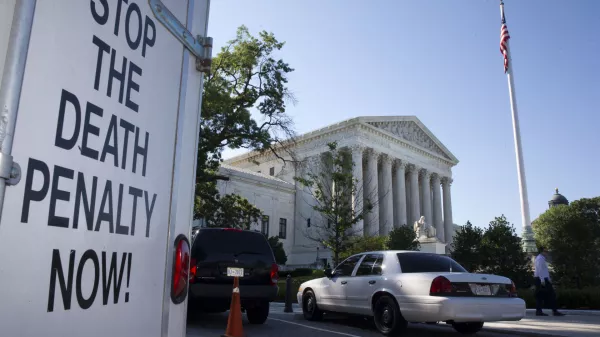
557,199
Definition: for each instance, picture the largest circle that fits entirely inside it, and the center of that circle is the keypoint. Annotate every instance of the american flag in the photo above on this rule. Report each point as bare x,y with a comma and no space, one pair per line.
504,36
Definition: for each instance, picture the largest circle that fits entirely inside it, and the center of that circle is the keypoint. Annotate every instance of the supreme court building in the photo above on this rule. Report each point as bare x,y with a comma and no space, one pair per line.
396,157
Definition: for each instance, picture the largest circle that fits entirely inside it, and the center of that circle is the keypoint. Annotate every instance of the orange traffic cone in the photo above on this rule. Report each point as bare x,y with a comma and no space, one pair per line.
234,323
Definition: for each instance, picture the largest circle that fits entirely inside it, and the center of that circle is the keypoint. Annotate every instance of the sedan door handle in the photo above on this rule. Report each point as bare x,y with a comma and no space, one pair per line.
372,282
344,282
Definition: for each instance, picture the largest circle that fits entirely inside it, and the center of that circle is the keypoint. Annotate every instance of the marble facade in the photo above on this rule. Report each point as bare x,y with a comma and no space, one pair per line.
405,171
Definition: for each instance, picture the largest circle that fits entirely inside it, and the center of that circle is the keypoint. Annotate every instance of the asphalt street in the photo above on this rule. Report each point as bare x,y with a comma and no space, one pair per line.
294,325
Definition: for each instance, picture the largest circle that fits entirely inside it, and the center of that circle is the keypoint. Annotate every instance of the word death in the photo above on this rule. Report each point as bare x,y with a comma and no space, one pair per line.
84,197
100,266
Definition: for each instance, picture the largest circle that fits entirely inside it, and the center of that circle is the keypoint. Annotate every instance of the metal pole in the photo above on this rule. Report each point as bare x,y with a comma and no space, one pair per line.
525,218
288,294
10,89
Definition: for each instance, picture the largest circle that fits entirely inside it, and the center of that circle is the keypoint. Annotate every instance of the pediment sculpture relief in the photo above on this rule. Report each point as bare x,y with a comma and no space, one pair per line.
411,132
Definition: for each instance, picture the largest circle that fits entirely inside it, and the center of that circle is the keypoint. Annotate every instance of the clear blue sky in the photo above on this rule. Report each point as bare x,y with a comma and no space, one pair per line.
440,60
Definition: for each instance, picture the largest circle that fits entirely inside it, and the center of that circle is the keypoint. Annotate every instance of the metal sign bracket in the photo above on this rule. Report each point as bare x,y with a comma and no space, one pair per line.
200,46
9,170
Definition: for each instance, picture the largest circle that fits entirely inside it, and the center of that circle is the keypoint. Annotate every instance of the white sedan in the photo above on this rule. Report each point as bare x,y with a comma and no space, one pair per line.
397,287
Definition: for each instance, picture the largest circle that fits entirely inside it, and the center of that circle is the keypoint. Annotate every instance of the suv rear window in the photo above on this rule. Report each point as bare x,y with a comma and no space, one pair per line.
428,263
219,241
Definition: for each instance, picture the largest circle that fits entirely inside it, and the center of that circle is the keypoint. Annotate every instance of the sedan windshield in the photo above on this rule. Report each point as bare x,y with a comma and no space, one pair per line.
428,263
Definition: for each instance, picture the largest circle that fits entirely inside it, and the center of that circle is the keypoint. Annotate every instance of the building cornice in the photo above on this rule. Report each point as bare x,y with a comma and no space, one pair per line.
358,124
258,179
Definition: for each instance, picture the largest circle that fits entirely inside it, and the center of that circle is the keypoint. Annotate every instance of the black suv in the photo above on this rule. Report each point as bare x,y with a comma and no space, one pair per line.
214,250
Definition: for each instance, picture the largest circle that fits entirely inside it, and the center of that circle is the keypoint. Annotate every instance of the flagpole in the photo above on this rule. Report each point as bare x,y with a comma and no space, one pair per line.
528,241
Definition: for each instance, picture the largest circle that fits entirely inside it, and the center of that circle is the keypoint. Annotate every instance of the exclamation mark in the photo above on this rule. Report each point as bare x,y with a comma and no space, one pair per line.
128,273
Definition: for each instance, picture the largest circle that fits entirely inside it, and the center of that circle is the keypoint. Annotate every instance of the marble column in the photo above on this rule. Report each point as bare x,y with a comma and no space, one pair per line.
438,221
386,222
399,186
326,177
426,195
358,192
448,224
302,193
371,193
415,208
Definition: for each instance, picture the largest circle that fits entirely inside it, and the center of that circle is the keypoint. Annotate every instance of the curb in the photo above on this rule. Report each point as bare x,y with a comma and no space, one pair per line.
514,332
572,312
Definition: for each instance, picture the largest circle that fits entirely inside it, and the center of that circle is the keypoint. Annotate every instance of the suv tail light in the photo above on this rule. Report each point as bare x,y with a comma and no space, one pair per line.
513,290
181,268
440,286
274,274
193,269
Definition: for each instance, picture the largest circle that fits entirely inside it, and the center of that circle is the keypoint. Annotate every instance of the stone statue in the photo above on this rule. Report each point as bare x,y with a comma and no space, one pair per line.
423,229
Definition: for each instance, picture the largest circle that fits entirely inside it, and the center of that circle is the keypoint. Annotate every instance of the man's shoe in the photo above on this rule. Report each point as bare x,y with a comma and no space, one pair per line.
556,313
540,313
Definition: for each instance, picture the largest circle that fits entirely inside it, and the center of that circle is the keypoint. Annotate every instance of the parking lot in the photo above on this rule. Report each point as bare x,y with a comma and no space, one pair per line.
294,325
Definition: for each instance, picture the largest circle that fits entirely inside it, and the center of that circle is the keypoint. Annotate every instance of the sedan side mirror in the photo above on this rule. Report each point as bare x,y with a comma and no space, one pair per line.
328,272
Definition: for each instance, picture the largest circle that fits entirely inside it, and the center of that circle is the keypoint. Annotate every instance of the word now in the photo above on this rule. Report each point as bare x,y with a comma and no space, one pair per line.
109,278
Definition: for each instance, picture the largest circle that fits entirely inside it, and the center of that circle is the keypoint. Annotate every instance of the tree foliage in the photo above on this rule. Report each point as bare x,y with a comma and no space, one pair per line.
403,238
571,233
502,253
232,211
359,244
278,251
332,185
466,247
495,250
243,106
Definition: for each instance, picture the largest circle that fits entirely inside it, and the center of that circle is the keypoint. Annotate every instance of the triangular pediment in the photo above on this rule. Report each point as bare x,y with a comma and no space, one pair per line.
415,133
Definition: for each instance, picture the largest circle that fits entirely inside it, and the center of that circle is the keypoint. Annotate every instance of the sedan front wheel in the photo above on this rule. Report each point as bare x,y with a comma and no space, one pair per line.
309,307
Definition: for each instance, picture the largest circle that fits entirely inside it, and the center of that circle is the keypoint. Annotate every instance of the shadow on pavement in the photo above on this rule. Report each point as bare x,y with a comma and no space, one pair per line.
294,325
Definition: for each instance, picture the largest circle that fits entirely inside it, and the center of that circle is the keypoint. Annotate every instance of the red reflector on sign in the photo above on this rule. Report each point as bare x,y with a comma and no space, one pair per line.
181,265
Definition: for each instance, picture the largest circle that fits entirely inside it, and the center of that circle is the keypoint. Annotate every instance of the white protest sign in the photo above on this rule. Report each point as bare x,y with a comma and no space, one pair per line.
83,238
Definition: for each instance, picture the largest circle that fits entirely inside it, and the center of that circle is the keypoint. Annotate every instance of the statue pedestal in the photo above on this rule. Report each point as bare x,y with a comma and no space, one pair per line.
432,245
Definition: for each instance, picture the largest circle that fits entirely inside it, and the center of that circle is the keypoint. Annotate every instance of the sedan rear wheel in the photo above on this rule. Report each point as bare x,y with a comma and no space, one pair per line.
309,307
468,328
387,316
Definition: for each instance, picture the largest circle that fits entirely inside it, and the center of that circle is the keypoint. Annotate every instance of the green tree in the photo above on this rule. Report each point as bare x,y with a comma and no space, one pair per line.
502,253
331,184
359,244
571,233
403,238
232,211
243,106
278,251
466,247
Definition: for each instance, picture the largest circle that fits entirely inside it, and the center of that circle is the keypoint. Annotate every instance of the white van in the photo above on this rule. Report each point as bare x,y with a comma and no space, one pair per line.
99,114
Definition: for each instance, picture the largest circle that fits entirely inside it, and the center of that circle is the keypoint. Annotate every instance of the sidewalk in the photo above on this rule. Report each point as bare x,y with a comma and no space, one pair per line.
568,312
576,323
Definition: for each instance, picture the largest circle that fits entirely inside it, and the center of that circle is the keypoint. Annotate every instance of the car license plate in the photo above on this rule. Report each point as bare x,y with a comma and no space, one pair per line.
235,272
482,290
